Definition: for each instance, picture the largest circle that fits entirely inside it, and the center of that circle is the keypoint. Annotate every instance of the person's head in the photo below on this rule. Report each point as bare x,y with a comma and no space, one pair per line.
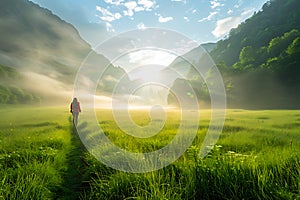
75,99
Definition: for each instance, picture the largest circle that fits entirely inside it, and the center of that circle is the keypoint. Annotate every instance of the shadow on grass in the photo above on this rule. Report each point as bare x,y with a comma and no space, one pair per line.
73,185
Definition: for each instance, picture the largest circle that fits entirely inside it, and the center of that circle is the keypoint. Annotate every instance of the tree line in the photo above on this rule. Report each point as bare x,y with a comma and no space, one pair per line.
10,90
260,59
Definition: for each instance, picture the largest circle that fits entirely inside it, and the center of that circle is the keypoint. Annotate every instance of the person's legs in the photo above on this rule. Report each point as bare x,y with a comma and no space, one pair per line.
73,114
75,118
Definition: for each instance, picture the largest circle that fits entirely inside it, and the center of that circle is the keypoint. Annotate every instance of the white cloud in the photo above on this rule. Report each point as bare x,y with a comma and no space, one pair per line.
147,4
186,19
148,57
215,4
162,19
183,1
117,2
129,13
240,2
139,8
209,17
130,5
141,26
247,13
107,15
109,27
140,5
224,26
117,15
190,11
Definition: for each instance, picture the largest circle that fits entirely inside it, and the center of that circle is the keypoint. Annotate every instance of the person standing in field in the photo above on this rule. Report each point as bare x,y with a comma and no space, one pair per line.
75,110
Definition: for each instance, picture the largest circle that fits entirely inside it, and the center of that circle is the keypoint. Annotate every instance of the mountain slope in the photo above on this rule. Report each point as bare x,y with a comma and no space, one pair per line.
183,63
259,61
276,18
32,37
46,50
11,91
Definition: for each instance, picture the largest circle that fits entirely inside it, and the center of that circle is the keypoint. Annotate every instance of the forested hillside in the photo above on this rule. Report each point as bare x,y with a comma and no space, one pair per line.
275,18
267,77
260,59
11,91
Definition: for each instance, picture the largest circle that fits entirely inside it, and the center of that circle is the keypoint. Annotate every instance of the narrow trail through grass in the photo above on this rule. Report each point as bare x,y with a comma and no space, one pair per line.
73,184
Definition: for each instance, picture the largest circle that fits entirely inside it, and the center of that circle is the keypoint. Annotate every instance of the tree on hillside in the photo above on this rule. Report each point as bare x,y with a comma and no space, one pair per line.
294,48
276,18
11,91
279,44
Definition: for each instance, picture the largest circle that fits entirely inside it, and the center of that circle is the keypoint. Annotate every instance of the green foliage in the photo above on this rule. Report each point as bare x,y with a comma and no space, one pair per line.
15,95
247,55
259,60
254,159
188,91
294,48
33,147
263,58
10,89
8,73
264,77
279,44
276,18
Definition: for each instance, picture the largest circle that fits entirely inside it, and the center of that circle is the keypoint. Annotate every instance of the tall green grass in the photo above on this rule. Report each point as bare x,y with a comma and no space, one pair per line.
33,147
256,157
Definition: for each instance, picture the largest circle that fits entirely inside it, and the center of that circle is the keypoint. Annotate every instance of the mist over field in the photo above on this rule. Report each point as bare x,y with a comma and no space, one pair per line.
160,116
257,71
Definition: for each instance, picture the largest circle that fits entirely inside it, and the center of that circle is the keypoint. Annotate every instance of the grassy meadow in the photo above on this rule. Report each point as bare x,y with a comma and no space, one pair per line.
256,157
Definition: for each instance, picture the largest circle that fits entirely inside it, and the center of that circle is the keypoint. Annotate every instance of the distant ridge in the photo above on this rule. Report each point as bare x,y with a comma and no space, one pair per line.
32,36
259,60
209,46
45,49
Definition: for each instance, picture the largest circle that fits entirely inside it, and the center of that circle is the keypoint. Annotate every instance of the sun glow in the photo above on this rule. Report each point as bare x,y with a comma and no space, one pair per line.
147,74
145,64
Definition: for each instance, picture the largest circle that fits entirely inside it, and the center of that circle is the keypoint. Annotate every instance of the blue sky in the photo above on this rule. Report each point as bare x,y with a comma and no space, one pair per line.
201,20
